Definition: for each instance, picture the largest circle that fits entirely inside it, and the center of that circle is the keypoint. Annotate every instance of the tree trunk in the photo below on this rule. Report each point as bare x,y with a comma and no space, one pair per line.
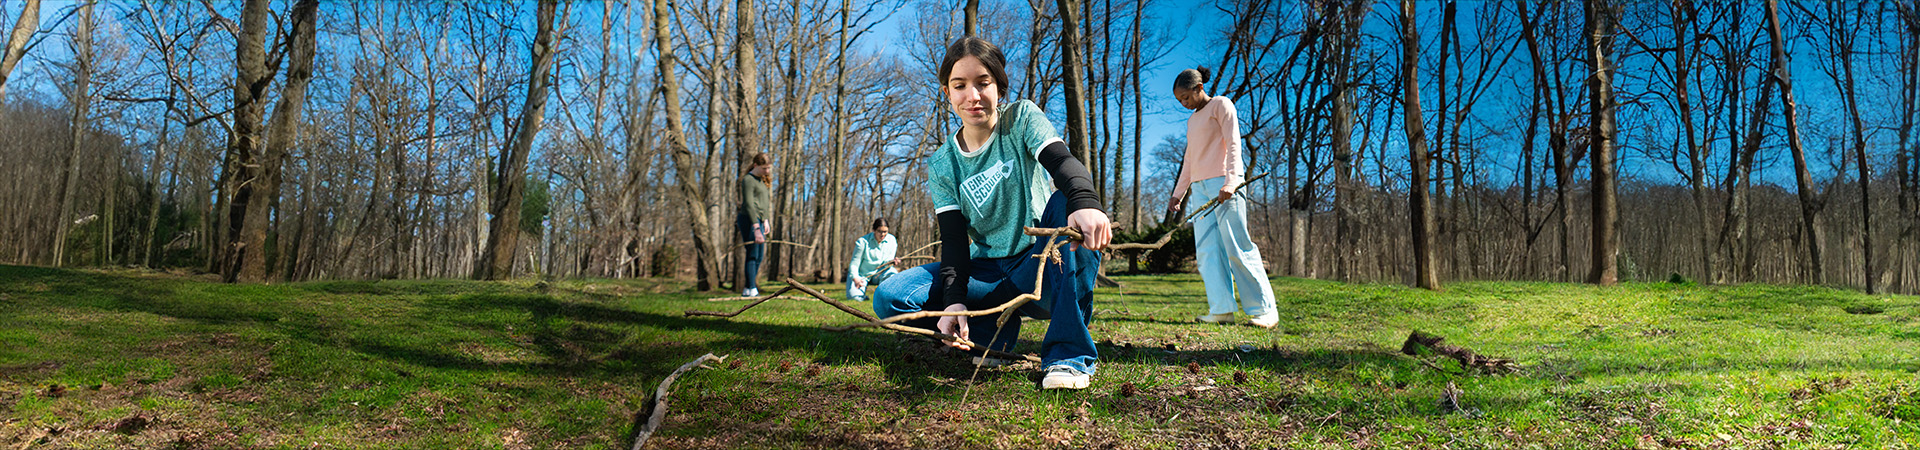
1810,205
280,135
835,189
1445,227
1908,155
1736,229
1345,242
1529,27
1138,5
16,45
693,192
1842,34
1072,69
162,150
1683,29
81,101
1606,216
509,186
973,17
1420,204
746,96
243,148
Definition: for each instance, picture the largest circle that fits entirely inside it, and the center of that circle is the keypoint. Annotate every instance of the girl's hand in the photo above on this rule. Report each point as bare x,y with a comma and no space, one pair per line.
1094,225
955,326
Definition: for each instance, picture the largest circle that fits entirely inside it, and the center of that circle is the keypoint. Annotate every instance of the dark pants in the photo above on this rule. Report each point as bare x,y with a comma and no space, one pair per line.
755,252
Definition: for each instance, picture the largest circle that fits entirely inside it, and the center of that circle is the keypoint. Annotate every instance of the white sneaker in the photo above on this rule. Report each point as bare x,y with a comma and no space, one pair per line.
1267,320
750,292
1063,377
1216,318
989,361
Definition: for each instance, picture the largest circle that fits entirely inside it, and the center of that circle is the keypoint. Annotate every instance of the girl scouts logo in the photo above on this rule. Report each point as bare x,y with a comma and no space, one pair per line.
979,188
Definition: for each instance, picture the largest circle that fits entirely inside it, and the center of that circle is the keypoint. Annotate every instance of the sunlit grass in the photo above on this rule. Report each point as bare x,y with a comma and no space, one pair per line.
461,364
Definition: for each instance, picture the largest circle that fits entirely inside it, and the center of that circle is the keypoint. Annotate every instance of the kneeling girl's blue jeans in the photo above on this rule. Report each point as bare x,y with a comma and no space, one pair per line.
1067,299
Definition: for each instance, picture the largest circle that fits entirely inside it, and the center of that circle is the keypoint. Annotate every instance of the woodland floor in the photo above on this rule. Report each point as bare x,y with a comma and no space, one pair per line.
132,359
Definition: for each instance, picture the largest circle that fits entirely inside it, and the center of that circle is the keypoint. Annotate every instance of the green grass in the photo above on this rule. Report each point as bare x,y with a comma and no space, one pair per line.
120,359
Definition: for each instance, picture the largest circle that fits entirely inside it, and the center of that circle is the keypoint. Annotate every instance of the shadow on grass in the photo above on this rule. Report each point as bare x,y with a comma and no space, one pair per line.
585,336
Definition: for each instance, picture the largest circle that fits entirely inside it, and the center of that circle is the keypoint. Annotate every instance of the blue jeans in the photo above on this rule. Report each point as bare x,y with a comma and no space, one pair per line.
1225,254
859,294
1067,299
755,252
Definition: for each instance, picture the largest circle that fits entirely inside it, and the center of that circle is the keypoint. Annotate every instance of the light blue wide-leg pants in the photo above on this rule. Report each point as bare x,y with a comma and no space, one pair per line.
1225,253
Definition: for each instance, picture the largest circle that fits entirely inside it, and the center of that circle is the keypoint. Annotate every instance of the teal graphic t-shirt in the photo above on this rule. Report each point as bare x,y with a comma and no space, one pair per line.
1000,188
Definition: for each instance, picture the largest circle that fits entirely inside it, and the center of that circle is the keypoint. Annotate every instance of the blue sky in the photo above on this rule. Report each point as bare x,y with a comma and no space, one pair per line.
1164,116
1820,107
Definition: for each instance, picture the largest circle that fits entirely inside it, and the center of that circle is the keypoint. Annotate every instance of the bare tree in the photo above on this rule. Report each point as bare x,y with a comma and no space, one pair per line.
254,164
1684,14
16,45
1736,240
973,17
1810,203
1134,68
687,175
81,99
281,132
745,97
1425,275
1601,16
1346,39
1074,67
1840,33
1908,154
510,183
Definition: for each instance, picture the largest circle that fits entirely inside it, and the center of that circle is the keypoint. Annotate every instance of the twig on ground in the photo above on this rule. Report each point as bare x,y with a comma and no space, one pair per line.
735,299
659,408
763,299
1418,340
1437,367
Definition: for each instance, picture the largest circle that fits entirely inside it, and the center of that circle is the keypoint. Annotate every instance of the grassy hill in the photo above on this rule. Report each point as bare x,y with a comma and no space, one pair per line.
124,359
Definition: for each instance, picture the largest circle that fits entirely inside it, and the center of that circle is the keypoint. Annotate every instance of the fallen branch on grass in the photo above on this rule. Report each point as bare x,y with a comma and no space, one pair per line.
1418,341
659,408
763,299
863,315
735,299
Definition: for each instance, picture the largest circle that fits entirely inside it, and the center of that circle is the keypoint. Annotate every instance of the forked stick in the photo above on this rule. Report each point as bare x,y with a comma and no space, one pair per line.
660,398
735,299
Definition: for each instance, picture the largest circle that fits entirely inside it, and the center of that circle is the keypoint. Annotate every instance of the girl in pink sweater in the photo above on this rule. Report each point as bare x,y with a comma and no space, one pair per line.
1227,259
